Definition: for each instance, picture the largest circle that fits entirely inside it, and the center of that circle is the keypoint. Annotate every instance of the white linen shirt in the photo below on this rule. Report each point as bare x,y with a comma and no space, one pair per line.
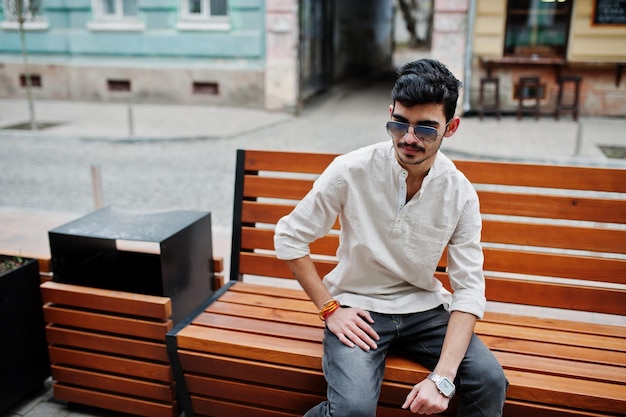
389,248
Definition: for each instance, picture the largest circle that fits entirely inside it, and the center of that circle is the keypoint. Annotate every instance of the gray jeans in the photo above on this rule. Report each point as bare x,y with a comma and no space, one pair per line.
354,376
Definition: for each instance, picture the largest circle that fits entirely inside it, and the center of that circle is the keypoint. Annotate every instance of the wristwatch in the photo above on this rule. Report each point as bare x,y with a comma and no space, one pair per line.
445,386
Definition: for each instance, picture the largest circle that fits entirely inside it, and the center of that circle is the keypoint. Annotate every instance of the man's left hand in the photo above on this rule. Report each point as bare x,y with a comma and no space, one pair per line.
425,398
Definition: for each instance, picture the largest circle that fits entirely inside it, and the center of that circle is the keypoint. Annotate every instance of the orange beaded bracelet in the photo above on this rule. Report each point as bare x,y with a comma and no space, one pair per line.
328,309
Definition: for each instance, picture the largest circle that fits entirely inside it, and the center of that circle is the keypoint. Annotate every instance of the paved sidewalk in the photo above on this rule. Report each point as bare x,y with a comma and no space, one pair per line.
182,157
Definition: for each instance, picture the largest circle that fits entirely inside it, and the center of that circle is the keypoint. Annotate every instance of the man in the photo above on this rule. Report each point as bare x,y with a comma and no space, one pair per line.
400,204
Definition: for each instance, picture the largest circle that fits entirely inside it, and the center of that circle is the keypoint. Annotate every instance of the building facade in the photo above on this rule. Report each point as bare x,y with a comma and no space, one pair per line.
268,54
512,39
186,51
274,54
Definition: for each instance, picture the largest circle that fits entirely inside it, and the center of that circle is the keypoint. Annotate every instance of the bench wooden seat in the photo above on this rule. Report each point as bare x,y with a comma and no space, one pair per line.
555,262
107,349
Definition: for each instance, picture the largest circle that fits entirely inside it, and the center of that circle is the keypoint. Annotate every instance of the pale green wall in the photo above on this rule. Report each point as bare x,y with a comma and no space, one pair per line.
68,36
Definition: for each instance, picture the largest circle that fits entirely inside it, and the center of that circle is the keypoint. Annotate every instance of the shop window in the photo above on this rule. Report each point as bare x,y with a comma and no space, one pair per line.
537,28
115,15
204,15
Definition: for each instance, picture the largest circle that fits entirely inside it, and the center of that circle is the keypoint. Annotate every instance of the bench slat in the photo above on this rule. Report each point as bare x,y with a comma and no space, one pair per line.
269,301
270,187
553,207
263,327
257,238
508,173
129,326
263,313
548,350
556,265
249,288
561,367
265,212
113,383
110,364
549,323
209,407
253,371
285,161
556,295
555,236
106,343
251,346
107,300
124,404
557,338
514,408
257,212
560,391
269,265
264,396
544,176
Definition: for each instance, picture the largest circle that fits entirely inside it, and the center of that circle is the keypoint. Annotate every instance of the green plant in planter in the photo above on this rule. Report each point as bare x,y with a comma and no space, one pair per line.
9,263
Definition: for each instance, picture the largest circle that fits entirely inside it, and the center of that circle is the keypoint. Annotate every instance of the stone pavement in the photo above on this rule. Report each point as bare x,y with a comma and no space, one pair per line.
159,157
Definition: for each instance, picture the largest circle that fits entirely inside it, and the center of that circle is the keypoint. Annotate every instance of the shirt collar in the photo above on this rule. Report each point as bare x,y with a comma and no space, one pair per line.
437,168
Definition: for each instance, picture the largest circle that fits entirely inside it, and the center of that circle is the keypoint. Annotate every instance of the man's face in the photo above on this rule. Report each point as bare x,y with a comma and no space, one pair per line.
411,150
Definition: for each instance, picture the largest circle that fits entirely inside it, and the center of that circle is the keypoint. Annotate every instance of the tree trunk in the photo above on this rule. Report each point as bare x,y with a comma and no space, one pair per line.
29,84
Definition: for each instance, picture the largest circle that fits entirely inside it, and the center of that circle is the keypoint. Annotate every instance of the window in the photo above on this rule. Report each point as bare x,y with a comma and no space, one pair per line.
35,80
115,9
118,85
204,15
205,88
30,13
115,15
537,28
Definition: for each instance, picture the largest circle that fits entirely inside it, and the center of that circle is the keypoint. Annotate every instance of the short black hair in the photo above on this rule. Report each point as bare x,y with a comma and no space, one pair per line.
427,81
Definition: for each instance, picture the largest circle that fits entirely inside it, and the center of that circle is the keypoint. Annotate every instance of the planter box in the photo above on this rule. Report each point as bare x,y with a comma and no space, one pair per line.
24,363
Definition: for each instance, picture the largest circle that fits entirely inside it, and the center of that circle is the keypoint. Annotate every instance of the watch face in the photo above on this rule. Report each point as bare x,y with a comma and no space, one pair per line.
446,386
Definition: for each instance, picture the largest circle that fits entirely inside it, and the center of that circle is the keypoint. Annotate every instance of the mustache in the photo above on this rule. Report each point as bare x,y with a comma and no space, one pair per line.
413,146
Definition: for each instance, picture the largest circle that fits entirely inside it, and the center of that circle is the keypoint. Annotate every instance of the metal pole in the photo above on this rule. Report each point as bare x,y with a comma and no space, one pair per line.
579,138
469,52
131,124
96,182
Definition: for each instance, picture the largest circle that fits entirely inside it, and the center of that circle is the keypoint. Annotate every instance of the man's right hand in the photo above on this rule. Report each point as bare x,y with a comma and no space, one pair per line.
352,327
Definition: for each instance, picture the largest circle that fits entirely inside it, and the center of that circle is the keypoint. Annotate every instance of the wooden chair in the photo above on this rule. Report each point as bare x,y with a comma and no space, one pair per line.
529,88
574,82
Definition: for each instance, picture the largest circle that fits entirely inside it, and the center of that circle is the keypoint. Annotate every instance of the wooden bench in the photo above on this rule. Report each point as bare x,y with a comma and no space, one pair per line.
555,245
107,349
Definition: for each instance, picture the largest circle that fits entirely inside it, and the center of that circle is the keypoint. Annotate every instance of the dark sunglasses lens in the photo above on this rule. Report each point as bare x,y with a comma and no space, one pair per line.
397,129
426,133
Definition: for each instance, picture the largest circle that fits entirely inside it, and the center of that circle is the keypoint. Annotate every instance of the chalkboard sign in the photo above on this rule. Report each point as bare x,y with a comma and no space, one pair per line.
610,12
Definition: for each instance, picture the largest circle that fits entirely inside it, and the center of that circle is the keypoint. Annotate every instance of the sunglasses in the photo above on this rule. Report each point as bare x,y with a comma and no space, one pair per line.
426,134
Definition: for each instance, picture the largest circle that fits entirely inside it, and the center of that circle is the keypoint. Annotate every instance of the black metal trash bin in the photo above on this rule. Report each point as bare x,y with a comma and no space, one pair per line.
164,253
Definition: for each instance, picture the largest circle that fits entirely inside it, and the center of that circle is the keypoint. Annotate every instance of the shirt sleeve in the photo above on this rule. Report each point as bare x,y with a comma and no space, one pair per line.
465,263
313,216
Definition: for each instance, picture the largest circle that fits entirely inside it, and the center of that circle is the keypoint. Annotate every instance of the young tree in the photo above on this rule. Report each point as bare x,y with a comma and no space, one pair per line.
417,15
23,11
